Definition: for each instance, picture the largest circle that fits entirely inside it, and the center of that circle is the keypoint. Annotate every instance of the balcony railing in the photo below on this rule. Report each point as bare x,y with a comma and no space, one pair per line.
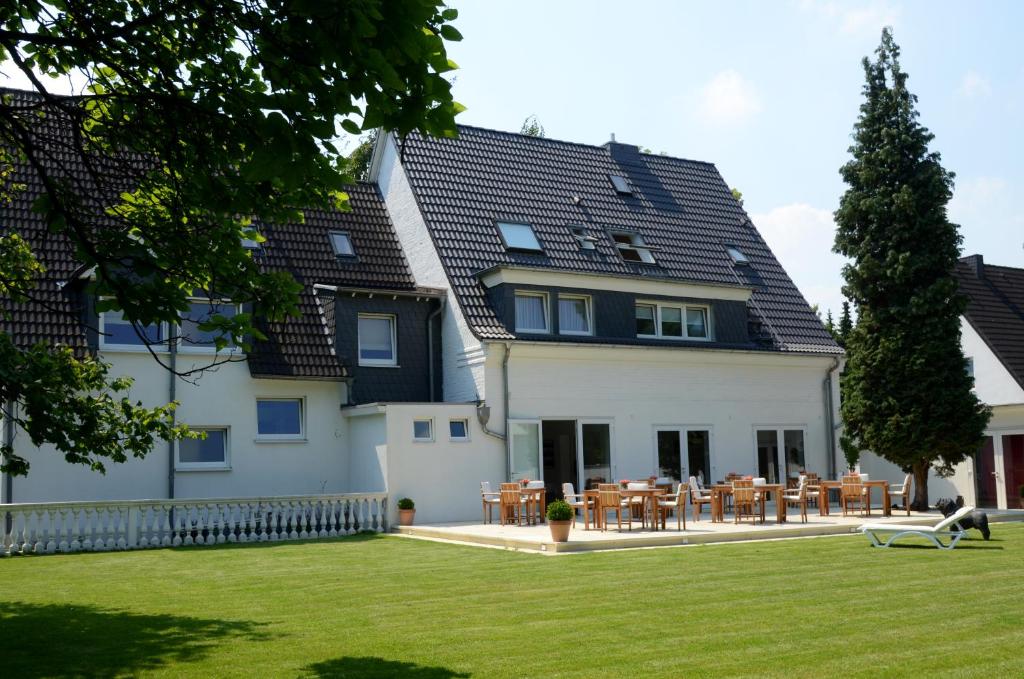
46,528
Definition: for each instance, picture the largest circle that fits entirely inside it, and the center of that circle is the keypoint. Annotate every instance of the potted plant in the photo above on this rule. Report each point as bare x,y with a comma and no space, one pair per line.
406,511
560,520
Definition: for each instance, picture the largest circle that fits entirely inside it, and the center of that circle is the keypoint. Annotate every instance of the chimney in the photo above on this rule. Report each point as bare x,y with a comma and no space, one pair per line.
977,264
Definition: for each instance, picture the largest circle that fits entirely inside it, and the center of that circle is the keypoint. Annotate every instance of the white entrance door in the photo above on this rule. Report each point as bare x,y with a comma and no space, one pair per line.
524,450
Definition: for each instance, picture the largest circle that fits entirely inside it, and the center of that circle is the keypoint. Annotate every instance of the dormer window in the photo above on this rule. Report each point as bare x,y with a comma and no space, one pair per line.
736,255
342,244
621,185
517,236
632,248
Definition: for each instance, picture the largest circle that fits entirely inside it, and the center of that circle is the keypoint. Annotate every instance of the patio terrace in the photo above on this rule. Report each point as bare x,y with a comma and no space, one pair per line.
537,538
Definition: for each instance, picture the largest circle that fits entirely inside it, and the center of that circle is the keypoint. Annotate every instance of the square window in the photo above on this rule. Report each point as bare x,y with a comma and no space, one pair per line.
531,312
210,452
645,324
341,242
279,418
620,184
671,321
458,430
201,311
696,322
574,315
377,340
423,430
119,331
519,237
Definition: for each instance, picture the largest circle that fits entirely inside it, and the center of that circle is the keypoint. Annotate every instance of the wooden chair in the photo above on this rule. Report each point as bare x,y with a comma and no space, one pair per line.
638,503
902,490
513,504
813,488
578,501
676,503
610,499
698,498
853,492
489,499
744,500
797,496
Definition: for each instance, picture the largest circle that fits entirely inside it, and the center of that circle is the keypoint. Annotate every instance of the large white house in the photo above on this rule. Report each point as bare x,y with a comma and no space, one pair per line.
992,336
494,307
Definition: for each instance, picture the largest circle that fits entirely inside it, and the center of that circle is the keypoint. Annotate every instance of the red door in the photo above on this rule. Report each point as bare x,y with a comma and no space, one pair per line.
985,474
1013,470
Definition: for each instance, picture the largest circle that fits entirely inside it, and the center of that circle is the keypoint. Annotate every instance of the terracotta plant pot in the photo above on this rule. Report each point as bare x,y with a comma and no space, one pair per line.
560,530
405,516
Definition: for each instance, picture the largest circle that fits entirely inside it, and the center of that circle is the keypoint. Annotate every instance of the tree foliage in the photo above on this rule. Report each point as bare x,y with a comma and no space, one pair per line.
531,127
907,395
197,122
845,326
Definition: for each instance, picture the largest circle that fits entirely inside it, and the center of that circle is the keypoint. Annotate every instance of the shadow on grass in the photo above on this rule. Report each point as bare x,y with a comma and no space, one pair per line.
350,668
71,640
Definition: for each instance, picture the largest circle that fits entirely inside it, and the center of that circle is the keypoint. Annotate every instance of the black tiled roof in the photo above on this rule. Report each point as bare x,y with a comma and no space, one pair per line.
297,347
681,207
995,309
303,346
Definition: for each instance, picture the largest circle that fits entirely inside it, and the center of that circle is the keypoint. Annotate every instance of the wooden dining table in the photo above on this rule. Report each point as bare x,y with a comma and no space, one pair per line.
823,508
650,496
537,498
719,491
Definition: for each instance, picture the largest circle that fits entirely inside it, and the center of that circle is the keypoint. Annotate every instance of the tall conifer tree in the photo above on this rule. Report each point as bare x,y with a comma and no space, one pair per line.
907,394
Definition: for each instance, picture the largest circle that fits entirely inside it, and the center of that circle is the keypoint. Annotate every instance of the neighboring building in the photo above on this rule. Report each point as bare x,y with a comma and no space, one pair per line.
615,313
617,309
993,343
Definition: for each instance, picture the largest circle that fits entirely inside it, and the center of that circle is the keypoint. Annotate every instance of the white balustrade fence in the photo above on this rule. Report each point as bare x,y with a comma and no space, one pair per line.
45,528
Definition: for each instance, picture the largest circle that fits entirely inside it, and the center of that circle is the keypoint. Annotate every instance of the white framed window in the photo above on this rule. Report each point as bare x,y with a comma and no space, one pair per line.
517,236
672,321
632,247
119,334
574,315
280,419
341,243
458,429
209,453
192,339
377,341
423,429
532,312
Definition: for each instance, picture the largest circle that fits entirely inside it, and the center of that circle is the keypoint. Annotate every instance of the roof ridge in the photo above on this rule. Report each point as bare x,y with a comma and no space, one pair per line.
566,142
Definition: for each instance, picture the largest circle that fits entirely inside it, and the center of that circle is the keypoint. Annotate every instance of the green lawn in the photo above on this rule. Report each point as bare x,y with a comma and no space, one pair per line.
387,606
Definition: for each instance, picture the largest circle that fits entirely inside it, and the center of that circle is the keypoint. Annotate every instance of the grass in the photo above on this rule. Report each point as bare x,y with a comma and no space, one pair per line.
388,606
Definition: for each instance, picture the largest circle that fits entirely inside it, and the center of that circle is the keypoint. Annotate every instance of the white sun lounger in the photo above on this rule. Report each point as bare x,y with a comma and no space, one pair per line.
895,531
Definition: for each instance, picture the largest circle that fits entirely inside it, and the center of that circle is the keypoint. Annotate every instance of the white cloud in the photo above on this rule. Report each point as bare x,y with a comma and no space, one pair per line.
728,99
856,18
801,237
974,85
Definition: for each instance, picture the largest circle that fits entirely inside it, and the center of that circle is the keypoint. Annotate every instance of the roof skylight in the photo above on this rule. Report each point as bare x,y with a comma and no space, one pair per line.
620,184
736,255
342,244
519,237
632,247
585,240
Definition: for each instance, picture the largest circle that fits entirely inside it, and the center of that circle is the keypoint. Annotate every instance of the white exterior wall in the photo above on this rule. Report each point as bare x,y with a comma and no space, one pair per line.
441,476
462,354
637,389
224,397
993,382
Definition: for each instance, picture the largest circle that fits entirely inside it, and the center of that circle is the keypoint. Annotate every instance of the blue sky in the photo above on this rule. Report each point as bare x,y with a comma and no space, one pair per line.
769,92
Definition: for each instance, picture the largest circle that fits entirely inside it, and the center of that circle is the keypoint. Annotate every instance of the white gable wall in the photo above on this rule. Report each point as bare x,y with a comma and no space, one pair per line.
992,381
462,353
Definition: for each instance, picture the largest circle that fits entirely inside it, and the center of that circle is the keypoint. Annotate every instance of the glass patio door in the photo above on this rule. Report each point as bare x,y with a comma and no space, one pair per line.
670,453
595,451
698,455
785,468
768,454
524,450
